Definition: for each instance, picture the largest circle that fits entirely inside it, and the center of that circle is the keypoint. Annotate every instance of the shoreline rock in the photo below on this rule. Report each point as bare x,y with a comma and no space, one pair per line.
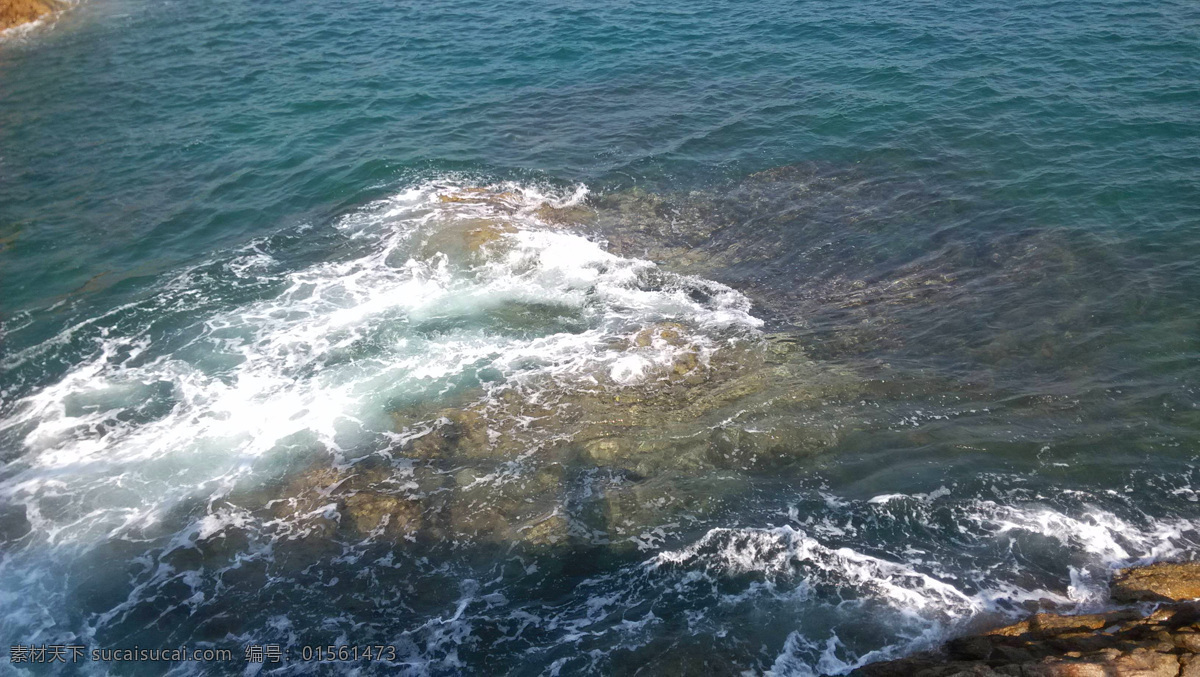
1138,641
15,13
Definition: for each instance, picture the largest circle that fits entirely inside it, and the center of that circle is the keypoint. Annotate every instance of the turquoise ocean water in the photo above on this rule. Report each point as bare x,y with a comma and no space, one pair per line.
591,338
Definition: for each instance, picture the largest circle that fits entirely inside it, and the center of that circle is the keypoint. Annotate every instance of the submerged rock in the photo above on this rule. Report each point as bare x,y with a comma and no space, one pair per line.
654,417
632,514
691,407
454,432
564,216
370,498
467,241
567,465
849,259
1124,643
594,460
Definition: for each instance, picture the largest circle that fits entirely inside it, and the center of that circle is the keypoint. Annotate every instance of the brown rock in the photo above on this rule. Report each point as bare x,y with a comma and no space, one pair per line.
1165,581
564,215
1010,654
1063,669
1189,666
1058,624
551,530
1187,641
393,515
1146,663
502,201
453,432
467,241
973,647
670,333
17,12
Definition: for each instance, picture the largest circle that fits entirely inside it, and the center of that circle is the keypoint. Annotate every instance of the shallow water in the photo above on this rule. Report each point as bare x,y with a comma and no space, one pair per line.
598,339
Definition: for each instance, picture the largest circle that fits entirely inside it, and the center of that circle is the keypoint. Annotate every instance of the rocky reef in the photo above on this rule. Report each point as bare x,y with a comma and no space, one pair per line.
660,423
18,12
1158,635
672,420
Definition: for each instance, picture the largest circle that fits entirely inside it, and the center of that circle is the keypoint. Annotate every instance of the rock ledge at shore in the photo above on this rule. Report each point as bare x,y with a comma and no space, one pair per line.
18,12
1158,638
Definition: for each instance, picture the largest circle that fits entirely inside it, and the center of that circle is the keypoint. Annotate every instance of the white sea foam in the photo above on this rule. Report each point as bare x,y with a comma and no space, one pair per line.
788,554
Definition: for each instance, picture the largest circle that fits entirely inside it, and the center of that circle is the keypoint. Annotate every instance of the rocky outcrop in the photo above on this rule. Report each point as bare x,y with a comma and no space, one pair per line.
1160,582
17,12
1134,642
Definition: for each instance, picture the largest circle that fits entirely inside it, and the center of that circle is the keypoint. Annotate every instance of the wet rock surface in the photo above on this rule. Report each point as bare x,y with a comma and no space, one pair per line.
1160,582
1134,642
17,12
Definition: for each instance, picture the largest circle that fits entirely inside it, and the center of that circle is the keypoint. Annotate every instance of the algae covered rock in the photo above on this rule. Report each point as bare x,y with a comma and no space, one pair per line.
638,514
467,241
451,432
670,399
567,215
519,466
669,446
475,223
355,502
500,503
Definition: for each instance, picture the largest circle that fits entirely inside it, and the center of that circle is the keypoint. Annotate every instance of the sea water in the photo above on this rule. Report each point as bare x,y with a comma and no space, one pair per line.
590,338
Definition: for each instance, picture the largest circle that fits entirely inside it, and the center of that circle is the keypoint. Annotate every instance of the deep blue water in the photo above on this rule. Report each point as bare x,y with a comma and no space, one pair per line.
668,337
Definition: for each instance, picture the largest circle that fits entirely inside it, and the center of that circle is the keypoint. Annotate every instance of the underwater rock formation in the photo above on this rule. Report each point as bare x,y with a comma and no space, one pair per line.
653,419
594,467
1131,642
